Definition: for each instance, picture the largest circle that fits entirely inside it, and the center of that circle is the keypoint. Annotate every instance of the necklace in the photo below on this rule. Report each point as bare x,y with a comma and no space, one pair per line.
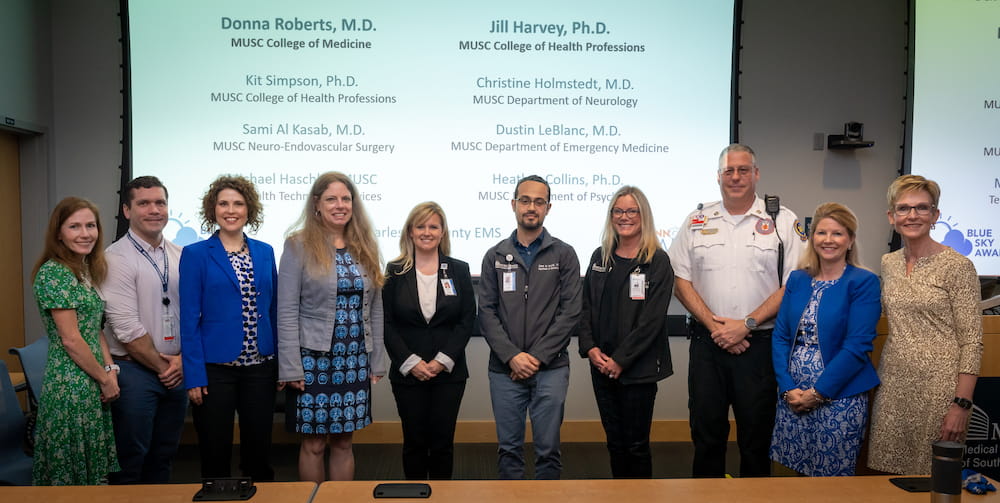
243,248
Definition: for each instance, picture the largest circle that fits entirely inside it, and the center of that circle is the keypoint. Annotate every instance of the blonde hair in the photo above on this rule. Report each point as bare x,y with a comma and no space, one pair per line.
648,244
912,183
843,216
418,215
93,264
311,232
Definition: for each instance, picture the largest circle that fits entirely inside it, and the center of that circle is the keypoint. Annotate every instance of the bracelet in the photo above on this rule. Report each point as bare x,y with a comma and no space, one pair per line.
113,366
820,398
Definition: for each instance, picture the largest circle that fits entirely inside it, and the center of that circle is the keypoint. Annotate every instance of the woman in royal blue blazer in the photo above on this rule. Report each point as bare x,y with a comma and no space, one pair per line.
821,344
228,331
429,312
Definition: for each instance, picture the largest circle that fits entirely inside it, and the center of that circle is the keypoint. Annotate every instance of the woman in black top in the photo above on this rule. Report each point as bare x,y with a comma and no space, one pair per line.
623,331
429,312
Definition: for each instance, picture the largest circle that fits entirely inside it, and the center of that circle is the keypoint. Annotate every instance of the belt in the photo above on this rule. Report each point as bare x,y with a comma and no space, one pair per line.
126,358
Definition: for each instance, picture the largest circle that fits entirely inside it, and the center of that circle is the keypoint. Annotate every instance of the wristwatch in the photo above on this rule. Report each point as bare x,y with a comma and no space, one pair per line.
750,323
964,403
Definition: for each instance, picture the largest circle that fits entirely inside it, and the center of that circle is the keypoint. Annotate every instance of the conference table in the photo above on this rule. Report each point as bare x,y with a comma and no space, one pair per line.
268,492
751,490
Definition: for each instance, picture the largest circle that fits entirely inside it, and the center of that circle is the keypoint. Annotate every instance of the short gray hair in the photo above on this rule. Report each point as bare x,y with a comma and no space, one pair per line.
736,147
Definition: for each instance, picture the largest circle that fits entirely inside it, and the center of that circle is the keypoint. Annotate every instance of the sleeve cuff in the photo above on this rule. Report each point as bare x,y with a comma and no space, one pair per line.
445,360
408,365
128,335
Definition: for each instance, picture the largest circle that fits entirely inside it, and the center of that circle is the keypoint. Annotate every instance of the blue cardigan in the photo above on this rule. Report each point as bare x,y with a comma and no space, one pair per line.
212,306
848,313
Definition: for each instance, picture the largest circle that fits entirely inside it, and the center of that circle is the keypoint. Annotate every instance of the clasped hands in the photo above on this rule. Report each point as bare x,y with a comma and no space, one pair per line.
523,366
604,363
173,375
426,370
730,334
802,400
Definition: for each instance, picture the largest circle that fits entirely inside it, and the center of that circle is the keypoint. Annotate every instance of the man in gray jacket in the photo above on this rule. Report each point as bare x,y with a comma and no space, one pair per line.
529,304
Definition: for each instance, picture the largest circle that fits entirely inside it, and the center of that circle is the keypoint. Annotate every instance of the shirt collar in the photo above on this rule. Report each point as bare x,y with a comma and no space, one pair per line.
142,242
534,245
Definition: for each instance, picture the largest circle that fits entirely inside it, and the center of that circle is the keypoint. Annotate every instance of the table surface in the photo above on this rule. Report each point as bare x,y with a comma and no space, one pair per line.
773,489
267,492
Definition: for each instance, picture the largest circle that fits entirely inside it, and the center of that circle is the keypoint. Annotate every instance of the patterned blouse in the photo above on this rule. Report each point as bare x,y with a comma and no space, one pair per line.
243,266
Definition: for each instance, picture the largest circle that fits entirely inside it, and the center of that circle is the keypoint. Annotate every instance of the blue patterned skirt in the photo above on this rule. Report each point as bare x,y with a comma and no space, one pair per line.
336,398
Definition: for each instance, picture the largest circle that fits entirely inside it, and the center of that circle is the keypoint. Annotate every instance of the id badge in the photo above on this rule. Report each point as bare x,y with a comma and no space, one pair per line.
637,286
168,328
509,285
448,286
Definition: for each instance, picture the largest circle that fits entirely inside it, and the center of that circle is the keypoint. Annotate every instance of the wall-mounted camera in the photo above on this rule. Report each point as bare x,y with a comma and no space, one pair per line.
853,137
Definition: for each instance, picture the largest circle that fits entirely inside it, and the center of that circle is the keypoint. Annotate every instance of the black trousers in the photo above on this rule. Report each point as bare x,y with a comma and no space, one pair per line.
248,391
428,412
626,413
718,379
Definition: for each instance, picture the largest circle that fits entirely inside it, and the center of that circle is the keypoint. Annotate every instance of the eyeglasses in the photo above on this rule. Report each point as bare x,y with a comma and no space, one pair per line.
539,202
923,210
618,212
742,171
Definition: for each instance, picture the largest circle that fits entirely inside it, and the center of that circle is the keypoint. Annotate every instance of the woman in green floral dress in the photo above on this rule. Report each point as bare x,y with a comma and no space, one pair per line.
75,444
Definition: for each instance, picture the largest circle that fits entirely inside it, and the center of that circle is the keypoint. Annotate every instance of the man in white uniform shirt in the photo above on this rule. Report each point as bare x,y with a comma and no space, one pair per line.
725,260
142,308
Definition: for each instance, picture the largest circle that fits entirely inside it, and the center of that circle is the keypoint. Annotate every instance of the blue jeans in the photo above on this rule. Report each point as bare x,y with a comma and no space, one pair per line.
148,419
543,397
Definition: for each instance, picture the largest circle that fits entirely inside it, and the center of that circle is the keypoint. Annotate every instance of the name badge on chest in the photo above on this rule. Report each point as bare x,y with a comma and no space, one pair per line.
509,283
637,286
168,325
448,286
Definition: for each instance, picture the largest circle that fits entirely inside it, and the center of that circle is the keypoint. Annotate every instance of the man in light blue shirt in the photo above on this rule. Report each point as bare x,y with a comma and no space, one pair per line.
142,307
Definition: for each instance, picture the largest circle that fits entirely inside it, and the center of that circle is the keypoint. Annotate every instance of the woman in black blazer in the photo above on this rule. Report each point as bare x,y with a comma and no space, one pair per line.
623,330
429,313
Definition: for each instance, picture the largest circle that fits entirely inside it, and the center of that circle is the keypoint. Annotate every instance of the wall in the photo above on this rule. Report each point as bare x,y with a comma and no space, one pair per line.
810,67
25,100
807,67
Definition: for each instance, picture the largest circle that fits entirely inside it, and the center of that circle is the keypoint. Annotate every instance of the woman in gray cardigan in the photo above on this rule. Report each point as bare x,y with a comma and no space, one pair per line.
330,327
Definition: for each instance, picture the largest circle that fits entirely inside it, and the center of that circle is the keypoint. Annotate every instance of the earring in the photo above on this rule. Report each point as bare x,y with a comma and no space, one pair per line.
933,226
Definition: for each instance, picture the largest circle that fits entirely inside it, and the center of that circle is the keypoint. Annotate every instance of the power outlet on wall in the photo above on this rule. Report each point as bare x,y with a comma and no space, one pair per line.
818,141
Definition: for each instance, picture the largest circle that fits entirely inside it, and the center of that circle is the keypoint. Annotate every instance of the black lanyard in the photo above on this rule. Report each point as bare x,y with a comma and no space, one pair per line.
165,275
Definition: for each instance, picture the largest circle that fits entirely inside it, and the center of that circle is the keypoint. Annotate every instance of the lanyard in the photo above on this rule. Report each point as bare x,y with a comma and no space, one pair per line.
165,275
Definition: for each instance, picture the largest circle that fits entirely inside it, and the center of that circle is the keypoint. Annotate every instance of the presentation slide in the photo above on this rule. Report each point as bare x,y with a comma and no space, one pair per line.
446,101
956,120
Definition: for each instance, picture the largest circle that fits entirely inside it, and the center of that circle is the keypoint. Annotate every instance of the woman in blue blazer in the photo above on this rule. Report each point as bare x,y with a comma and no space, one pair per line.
429,312
228,331
821,344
